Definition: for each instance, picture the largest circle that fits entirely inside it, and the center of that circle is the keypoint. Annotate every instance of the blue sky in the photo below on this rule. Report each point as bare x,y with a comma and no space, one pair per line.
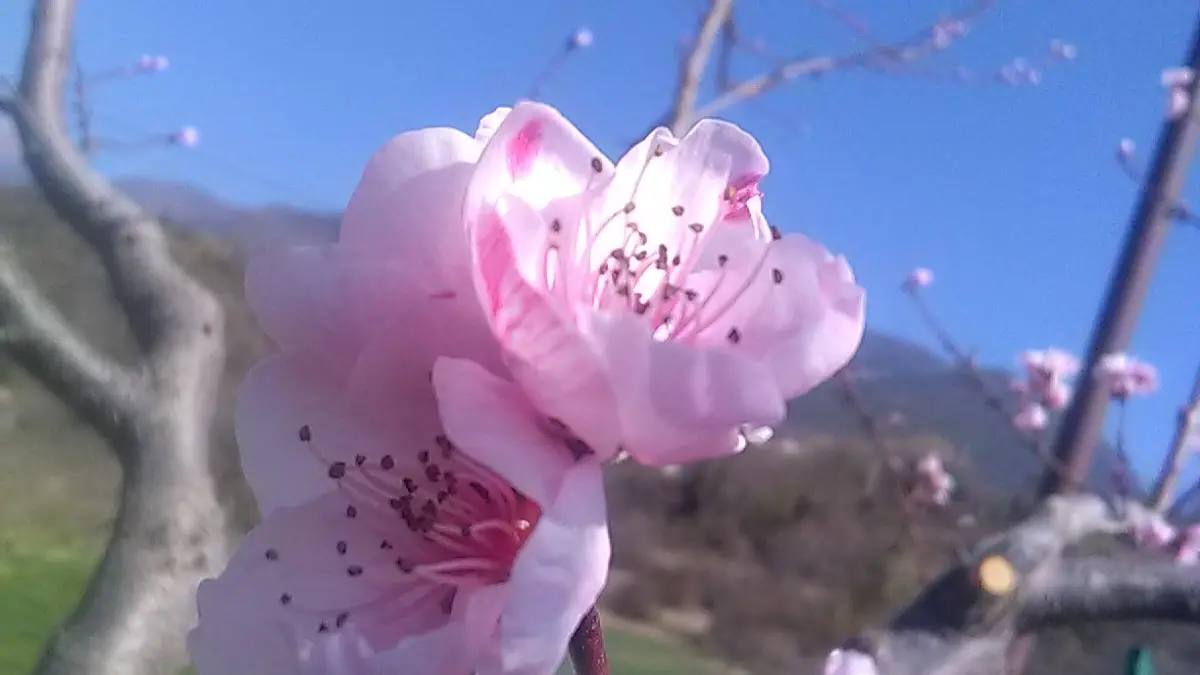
1011,195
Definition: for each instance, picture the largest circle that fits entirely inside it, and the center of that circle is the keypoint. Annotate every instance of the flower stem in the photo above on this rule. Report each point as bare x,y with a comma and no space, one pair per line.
587,646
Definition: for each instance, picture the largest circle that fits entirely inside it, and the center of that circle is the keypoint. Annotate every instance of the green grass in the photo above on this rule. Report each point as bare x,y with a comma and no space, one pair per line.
39,584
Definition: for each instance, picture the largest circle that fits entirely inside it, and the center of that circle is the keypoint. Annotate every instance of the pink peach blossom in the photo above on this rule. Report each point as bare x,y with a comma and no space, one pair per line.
580,39
1178,102
1056,395
1154,534
1031,417
920,277
646,307
188,137
1126,376
152,63
383,541
850,662
1189,546
1177,77
1125,149
934,484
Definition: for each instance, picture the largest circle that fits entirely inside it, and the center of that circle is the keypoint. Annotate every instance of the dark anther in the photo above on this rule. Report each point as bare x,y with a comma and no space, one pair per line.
597,165
733,336
629,207
341,548
285,599
696,227
359,460
341,619
722,259
305,433
351,511
677,210
354,570
337,470
387,463
272,554
556,226
777,275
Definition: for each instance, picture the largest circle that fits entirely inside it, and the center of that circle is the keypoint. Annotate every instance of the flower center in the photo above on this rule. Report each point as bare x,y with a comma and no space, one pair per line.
438,520
649,269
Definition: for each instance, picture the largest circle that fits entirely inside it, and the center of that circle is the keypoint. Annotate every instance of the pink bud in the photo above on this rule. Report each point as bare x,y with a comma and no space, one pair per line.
1155,534
1062,50
1189,546
917,279
1125,376
1125,149
1177,103
188,137
1177,77
582,39
1057,395
152,64
1031,417
849,662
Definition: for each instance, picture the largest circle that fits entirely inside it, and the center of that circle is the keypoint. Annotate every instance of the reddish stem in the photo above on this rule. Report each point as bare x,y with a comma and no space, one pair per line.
587,646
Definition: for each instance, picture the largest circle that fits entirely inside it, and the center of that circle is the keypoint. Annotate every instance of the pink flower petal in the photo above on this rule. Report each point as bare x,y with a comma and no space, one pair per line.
327,300
678,403
790,303
491,420
408,205
290,568
556,577
281,395
546,353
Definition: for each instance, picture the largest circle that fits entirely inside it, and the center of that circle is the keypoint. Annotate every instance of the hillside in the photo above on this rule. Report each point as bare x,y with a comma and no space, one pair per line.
764,558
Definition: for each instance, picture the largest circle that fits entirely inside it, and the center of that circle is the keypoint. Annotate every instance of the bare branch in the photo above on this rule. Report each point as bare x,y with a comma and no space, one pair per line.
1114,588
920,44
98,389
1185,427
692,70
170,530
1017,581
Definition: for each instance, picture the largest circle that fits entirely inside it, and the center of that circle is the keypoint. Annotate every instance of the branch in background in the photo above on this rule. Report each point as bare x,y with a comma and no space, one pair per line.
170,530
691,74
924,42
1020,580
1181,446
97,388
1181,212
969,368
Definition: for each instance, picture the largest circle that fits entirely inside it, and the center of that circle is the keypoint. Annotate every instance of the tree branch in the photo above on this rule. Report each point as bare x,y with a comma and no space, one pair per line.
98,389
918,45
170,530
692,70
1019,581
1187,424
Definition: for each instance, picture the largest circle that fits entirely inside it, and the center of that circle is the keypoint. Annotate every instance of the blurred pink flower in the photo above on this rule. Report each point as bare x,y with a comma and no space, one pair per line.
920,277
1056,395
1031,417
640,307
188,137
1062,50
1049,364
1189,546
381,535
152,64
580,39
849,662
1154,534
1178,101
1125,376
1125,149
934,484
1177,77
